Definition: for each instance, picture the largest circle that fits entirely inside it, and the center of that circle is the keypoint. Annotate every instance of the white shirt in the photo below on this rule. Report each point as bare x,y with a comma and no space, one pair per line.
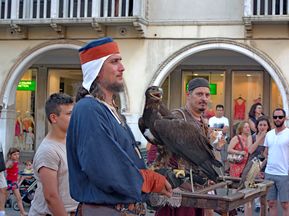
215,122
278,152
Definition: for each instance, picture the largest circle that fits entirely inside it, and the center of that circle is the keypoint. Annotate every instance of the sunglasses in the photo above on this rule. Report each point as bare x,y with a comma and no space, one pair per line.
278,117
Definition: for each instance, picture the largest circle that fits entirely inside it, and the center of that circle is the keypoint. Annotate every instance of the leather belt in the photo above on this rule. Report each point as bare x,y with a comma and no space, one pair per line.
134,208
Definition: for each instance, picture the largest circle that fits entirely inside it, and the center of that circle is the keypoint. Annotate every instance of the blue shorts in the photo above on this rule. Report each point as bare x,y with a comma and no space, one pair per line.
280,189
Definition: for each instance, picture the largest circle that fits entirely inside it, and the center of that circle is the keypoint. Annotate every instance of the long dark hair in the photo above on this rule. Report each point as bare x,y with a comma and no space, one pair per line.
252,110
94,91
263,118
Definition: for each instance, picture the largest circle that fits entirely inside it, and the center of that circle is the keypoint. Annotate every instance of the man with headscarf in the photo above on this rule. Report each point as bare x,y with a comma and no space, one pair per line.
107,174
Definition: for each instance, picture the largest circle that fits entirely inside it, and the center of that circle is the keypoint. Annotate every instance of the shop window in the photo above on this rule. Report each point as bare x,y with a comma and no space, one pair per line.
276,98
216,79
247,89
24,133
64,80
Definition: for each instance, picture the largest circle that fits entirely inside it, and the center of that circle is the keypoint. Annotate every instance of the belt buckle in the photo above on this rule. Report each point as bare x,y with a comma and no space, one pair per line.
131,209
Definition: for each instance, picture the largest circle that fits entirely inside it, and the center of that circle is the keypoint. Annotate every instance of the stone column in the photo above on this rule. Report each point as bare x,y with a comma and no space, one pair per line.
41,95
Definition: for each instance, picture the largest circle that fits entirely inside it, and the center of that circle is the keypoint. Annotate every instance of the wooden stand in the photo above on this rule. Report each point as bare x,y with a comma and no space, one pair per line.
224,197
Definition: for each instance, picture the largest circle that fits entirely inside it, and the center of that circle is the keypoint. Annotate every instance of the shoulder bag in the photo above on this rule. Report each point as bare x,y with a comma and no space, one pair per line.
236,157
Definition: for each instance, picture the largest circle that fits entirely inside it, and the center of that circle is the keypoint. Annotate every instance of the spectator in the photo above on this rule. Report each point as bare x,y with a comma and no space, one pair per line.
240,143
257,148
3,190
219,122
12,176
277,153
255,112
262,127
3,193
107,174
3,183
242,138
50,162
218,129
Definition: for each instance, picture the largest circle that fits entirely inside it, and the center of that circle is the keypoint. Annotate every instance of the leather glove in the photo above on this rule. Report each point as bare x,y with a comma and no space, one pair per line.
171,177
153,182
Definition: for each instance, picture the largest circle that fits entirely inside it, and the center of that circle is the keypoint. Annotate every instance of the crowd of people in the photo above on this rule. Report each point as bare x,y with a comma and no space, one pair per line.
90,164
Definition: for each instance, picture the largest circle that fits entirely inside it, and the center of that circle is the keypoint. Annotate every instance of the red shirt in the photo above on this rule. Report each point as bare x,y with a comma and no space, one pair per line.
12,172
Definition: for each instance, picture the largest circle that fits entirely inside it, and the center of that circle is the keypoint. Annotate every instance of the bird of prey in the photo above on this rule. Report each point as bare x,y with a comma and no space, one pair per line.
175,135
250,172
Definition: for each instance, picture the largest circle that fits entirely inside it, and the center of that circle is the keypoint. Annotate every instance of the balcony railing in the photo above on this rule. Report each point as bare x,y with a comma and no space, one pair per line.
61,9
266,8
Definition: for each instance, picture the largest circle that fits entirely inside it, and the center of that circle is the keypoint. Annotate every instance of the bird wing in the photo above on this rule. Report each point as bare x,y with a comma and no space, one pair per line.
186,140
141,125
245,172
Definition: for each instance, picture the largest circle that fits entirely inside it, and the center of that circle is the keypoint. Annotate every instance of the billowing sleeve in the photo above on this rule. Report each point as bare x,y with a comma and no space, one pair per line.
101,157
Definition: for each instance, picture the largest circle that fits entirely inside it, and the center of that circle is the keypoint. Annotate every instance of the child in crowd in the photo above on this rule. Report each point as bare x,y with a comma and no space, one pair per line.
27,173
28,167
12,176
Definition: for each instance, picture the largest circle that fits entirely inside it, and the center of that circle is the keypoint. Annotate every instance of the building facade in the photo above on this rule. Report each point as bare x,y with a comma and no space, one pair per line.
240,46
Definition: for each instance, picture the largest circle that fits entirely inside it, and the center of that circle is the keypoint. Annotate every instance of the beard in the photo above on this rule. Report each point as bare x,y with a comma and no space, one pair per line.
115,87
278,124
202,109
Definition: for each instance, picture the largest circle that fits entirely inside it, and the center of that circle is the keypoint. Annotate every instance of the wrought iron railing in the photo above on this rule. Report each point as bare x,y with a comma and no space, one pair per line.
58,9
266,8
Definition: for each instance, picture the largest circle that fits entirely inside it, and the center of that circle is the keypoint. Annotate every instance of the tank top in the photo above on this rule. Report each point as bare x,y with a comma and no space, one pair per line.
12,172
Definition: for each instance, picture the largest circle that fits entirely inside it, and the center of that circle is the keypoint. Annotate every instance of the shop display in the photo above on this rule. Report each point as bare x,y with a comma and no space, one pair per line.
18,135
239,108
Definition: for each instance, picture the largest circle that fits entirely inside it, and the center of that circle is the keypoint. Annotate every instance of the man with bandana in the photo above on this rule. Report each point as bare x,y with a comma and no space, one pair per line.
197,99
107,174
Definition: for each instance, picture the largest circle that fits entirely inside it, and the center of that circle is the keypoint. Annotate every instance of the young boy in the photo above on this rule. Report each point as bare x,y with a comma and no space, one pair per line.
50,163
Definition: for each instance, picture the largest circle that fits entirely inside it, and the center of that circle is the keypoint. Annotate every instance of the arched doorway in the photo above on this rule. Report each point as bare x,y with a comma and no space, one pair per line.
225,64
53,66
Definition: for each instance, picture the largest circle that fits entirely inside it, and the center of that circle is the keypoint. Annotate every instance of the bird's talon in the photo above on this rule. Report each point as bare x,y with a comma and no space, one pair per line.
179,173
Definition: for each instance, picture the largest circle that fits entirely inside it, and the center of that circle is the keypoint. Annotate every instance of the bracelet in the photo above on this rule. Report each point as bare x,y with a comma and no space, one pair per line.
218,149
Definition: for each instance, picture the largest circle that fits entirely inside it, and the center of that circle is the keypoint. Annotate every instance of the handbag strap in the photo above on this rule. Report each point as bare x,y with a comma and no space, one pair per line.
240,141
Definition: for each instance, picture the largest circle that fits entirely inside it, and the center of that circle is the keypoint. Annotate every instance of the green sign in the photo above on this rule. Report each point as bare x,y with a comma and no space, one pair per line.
213,88
26,85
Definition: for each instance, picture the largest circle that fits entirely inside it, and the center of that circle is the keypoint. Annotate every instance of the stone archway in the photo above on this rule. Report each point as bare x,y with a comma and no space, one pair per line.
169,64
24,61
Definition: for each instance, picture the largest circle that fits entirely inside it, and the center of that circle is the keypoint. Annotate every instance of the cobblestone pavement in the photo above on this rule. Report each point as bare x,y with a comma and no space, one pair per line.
11,212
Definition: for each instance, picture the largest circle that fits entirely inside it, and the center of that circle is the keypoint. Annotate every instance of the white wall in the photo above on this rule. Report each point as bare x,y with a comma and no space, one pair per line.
195,10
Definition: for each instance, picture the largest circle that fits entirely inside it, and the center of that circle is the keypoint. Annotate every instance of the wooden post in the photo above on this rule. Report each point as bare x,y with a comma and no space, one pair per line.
263,202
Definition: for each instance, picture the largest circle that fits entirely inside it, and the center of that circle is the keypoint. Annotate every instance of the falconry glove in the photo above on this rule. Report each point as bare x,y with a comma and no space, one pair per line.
153,182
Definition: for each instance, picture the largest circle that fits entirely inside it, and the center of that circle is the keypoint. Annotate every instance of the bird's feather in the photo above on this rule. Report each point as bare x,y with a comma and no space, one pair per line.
176,136
186,140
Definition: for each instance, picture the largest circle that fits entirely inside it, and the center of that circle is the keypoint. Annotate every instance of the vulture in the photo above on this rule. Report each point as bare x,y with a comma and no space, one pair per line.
175,135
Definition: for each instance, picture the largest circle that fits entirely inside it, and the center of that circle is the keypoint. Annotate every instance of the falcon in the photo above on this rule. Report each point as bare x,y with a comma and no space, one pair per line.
250,172
177,136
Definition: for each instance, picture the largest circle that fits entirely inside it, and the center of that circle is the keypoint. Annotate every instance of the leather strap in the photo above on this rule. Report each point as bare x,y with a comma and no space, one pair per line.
240,141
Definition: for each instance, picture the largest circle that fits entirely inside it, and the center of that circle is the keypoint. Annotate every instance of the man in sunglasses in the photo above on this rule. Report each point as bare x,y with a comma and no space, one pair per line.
277,154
